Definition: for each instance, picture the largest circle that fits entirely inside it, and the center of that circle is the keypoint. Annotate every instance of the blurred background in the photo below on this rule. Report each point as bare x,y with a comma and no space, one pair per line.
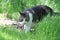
19,5
11,7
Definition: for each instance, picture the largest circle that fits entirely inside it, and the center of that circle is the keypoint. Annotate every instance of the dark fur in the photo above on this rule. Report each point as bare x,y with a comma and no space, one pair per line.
39,12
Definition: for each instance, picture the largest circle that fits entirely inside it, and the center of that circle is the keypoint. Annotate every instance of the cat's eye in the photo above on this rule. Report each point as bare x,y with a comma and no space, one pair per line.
21,20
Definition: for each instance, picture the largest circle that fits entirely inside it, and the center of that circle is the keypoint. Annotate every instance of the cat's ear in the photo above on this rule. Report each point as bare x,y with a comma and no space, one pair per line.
20,12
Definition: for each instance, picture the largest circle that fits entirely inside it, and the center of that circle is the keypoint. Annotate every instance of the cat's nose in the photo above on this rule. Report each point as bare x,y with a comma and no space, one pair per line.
21,23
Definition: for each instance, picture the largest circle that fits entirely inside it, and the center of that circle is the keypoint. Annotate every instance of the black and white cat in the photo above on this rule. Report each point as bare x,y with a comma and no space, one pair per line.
31,15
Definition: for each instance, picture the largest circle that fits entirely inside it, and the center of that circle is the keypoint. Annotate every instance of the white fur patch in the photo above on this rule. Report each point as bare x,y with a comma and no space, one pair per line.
31,18
27,27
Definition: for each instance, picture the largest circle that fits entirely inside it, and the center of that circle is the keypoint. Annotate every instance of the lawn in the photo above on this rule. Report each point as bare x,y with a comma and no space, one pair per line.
47,29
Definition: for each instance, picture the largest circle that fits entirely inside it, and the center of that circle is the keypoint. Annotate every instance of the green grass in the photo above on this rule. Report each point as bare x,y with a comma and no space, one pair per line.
47,29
